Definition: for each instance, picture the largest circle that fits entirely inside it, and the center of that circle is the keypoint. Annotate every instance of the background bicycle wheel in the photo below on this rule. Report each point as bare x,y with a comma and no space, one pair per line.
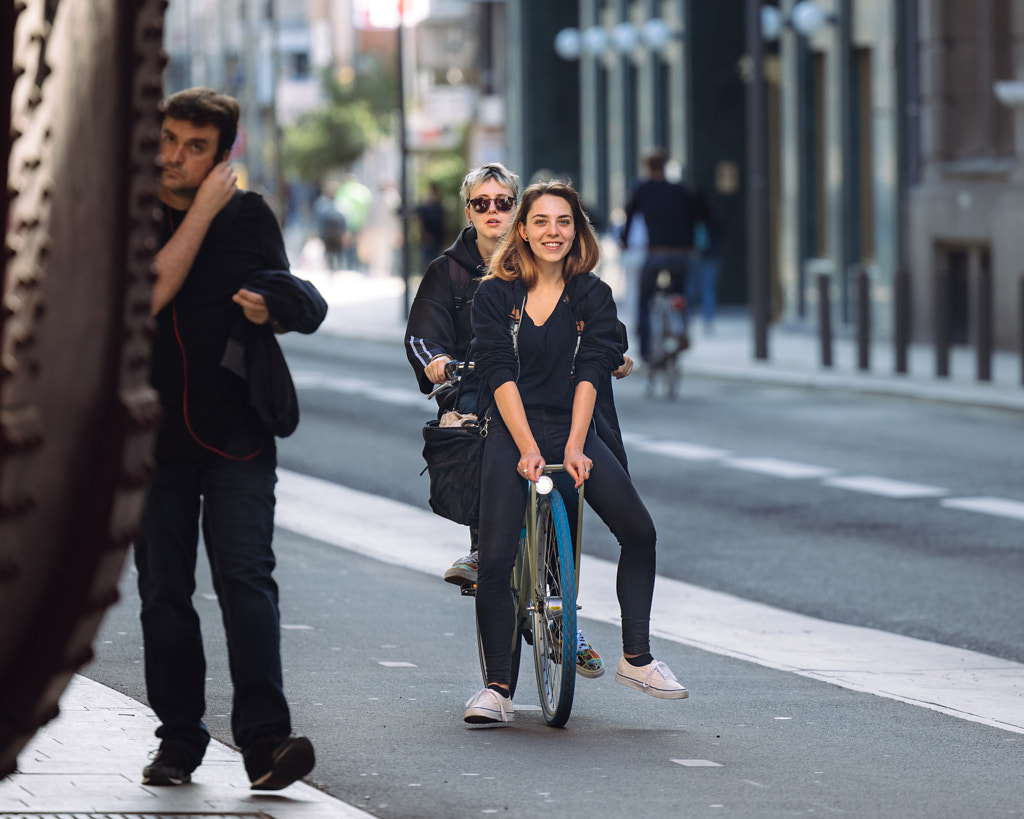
80,86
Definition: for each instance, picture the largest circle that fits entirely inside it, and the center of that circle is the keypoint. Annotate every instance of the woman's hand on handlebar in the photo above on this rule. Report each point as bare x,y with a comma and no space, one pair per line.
434,371
577,465
531,466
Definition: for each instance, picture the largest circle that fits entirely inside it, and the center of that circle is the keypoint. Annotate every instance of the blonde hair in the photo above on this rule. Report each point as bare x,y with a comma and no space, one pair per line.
513,258
490,170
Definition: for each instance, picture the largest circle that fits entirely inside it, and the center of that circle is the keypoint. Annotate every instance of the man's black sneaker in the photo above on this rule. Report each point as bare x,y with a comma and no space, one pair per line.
274,763
172,765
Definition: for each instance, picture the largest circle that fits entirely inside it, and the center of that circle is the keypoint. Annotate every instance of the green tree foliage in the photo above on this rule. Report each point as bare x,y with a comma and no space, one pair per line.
336,133
328,137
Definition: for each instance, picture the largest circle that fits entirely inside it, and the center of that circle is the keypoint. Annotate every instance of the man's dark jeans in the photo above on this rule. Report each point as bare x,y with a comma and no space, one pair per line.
237,512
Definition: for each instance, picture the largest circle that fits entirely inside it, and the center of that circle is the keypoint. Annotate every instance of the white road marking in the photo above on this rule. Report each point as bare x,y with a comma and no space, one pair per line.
674,449
774,467
696,763
988,506
886,487
779,468
312,380
964,684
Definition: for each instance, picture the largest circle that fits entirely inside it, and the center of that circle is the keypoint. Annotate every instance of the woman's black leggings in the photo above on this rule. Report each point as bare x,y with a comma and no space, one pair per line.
503,496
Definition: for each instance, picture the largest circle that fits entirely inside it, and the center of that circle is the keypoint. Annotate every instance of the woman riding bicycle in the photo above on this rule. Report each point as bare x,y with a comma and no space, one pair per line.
439,331
546,336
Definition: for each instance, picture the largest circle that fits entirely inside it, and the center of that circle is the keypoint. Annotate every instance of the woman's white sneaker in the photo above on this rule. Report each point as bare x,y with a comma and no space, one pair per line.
655,679
488,706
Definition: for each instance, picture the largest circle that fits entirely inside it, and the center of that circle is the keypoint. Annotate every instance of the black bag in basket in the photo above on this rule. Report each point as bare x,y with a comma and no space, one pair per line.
453,455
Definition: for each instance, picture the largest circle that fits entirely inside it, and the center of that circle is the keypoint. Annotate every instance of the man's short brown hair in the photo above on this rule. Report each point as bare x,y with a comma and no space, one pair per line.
655,160
204,106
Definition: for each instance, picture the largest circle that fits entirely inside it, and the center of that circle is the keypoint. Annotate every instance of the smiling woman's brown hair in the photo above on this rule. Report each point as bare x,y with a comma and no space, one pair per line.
513,258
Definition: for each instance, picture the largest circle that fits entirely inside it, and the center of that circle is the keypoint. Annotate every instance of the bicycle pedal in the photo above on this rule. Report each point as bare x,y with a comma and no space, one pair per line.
468,590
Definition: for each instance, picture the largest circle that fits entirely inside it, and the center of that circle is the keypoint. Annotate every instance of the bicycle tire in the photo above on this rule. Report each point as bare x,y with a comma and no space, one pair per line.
554,624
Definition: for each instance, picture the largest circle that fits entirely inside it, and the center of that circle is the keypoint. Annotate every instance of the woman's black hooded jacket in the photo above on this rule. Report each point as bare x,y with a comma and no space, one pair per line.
496,314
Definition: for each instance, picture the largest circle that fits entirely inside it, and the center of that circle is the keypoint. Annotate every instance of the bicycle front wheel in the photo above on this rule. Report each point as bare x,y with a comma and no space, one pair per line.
554,612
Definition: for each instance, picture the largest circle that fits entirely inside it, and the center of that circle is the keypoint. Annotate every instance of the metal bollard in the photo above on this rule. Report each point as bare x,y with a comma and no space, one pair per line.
863,319
825,318
1020,323
942,323
983,323
901,319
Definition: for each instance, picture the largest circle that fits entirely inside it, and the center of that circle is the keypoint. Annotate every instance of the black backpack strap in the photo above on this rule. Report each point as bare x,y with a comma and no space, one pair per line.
458,275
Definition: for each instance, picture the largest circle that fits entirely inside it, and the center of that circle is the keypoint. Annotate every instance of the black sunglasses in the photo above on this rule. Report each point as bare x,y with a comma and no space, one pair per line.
482,204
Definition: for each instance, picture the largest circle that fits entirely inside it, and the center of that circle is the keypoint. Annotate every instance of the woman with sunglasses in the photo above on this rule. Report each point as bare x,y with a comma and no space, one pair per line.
546,337
439,331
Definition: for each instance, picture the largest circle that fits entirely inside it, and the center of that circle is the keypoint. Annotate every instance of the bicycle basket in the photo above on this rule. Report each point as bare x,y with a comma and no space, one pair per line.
453,456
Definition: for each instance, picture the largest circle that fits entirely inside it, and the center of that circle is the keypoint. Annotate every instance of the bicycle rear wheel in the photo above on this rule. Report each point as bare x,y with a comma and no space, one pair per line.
554,612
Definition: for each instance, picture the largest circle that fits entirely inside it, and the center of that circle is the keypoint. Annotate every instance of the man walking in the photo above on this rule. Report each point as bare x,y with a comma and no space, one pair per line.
222,289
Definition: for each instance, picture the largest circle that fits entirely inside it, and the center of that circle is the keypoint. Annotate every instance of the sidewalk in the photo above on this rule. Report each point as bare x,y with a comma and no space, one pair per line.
89,759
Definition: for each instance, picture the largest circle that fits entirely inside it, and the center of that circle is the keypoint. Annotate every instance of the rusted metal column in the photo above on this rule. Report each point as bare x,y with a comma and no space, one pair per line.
77,414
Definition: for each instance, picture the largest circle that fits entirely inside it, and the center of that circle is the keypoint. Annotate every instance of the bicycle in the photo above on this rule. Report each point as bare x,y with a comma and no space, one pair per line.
543,584
544,581
668,337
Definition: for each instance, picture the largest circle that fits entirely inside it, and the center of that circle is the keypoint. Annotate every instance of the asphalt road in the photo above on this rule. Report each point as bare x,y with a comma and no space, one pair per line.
840,507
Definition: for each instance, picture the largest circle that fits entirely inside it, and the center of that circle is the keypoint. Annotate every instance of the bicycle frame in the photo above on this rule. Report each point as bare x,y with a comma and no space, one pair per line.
531,516
536,609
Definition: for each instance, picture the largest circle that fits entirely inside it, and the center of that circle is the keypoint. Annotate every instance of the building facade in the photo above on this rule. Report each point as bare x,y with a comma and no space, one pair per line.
894,129
599,83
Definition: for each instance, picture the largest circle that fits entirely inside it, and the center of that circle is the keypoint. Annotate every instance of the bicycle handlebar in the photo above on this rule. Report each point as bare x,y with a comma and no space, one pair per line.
453,372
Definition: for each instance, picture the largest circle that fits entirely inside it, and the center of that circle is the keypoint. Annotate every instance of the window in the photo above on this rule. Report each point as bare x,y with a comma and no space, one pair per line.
977,51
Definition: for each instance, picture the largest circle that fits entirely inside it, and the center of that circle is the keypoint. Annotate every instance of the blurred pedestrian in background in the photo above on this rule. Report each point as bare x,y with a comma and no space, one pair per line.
353,200
331,226
669,213
702,284
430,218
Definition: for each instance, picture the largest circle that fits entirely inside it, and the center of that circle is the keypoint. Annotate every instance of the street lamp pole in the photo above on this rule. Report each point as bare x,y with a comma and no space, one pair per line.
403,172
757,184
